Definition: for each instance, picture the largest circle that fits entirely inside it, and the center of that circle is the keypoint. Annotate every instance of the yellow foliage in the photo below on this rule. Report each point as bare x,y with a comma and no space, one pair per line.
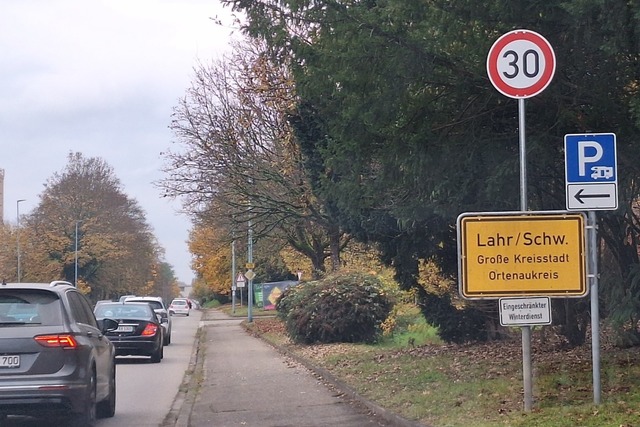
355,257
211,258
366,258
296,262
431,278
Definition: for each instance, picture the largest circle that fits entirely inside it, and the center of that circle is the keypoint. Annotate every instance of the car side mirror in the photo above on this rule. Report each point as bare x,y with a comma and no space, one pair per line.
107,325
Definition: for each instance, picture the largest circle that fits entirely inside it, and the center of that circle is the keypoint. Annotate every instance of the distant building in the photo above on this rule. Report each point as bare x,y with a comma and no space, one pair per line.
185,290
1,196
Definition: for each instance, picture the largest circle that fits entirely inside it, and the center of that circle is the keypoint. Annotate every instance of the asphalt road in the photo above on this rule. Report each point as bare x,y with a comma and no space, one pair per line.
145,391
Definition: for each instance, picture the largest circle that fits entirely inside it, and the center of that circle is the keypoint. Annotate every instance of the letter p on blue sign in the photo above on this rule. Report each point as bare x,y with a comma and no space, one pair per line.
590,158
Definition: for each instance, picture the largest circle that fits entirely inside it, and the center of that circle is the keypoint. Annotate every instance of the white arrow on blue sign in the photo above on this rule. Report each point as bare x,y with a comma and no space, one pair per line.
591,171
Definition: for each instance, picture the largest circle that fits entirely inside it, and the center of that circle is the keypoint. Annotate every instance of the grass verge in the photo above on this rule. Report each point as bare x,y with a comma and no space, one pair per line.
479,385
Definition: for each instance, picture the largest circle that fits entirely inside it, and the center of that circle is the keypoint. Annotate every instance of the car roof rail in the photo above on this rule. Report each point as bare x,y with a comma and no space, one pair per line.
60,283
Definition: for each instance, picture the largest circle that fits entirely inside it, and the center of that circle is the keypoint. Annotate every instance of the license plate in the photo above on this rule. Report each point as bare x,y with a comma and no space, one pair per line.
124,329
11,361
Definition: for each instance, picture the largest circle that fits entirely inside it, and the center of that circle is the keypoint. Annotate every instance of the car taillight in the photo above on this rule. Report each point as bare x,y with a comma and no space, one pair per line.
63,341
149,330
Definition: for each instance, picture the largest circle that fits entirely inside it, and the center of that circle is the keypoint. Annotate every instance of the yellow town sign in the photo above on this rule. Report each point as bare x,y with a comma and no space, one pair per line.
521,254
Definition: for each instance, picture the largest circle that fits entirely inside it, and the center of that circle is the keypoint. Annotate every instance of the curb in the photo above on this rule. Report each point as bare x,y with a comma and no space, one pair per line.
180,413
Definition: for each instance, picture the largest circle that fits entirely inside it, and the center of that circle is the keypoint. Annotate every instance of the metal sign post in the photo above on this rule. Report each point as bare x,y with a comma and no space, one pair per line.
233,277
250,275
521,64
591,172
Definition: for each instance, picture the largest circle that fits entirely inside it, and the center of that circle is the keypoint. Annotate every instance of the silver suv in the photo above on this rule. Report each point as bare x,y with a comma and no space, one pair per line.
55,360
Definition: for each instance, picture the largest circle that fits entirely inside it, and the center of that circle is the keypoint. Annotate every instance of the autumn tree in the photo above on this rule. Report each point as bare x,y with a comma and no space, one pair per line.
116,249
212,260
164,282
8,253
237,161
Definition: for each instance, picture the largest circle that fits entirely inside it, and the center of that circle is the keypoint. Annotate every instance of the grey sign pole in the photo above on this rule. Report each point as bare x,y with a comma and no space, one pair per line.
521,64
526,330
249,275
596,176
233,277
592,226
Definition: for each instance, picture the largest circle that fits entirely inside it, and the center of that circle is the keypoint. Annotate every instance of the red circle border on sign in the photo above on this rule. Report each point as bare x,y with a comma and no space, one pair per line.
541,84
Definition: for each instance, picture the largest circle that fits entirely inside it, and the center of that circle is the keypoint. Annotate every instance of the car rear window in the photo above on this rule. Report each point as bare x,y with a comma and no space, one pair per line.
155,304
124,311
179,302
29,307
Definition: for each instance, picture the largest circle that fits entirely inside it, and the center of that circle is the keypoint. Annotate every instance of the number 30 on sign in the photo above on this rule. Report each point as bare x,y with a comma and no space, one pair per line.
521,64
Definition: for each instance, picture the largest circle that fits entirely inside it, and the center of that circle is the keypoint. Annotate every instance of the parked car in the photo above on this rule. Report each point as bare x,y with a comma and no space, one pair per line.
157,303
55,360
124,297
179,306
139,332
102,301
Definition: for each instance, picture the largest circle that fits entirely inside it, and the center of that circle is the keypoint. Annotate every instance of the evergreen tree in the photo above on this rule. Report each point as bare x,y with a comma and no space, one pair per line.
405,132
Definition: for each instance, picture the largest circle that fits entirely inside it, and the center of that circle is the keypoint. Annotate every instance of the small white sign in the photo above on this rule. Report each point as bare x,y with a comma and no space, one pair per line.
525,311
587,197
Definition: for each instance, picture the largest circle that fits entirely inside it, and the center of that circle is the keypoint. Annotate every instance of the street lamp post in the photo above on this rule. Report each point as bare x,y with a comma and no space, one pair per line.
233,277
250,275
75,266
18,236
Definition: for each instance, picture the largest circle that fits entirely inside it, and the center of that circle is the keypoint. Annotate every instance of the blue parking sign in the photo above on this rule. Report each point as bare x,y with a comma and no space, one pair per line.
590,157
591,171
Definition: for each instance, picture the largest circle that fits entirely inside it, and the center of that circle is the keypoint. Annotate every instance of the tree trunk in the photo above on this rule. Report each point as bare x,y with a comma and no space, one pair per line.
334,246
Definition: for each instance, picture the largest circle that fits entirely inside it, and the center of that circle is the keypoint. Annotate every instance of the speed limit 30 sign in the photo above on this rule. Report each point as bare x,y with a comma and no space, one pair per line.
521,64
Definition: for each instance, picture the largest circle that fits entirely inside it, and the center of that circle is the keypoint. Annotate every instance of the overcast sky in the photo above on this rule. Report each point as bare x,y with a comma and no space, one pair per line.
101,77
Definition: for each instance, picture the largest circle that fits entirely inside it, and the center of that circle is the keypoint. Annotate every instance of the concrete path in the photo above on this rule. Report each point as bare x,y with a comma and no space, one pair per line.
243,381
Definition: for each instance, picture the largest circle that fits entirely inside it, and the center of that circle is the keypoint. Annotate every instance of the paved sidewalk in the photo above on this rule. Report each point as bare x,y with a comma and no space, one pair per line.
239,380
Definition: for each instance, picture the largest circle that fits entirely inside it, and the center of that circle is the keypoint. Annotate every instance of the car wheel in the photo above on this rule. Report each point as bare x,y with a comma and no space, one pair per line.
86,418
107,408
156,357
167,339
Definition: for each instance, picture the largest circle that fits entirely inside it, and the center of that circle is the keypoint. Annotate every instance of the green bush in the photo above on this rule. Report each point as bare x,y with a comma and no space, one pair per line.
212,304
291,297
340,308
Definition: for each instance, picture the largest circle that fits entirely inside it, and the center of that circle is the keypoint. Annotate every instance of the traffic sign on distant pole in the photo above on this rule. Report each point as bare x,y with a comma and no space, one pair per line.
521,64
240,280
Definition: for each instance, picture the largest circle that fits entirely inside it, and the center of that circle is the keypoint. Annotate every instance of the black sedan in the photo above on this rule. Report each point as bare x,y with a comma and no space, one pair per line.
139,331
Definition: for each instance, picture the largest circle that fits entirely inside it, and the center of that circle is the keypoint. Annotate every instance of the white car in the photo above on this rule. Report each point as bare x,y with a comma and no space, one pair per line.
179,306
